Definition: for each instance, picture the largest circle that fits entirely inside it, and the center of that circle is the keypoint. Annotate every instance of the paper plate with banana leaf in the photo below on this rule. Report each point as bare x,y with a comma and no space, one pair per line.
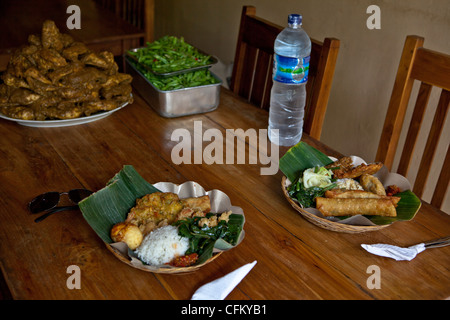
163,227
347,194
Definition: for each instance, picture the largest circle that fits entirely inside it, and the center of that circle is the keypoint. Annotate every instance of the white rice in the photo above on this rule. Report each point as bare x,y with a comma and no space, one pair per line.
162,245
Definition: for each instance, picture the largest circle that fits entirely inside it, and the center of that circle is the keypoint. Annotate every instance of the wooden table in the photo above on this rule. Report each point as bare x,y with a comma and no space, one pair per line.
100,28
295,259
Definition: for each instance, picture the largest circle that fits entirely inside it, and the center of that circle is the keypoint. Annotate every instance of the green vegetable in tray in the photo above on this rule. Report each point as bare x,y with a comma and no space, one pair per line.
169,54
191,79
185,80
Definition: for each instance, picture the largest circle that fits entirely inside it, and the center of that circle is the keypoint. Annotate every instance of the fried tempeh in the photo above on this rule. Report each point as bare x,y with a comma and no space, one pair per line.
331,207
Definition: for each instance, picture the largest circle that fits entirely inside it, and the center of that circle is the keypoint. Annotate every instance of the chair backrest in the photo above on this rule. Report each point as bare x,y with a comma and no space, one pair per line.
252,71
432,69
139,13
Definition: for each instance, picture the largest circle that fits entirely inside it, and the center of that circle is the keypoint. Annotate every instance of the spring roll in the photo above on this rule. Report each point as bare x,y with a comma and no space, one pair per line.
333,207
358,194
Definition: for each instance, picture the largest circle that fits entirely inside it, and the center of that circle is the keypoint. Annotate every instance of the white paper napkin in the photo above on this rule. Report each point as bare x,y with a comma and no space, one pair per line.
394,252
220,288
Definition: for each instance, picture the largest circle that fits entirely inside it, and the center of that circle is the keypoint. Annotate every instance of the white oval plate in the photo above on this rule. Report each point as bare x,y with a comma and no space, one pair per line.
65,122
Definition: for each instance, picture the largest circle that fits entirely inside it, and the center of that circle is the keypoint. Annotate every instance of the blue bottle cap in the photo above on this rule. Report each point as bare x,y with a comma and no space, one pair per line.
295,19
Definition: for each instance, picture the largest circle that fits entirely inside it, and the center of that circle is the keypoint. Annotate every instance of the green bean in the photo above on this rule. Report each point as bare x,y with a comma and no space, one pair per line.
185,80
169,54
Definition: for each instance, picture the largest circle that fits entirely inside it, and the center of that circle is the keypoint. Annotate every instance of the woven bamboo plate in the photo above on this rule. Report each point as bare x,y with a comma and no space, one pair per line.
220,202
325,223
303,156
120,249
104,208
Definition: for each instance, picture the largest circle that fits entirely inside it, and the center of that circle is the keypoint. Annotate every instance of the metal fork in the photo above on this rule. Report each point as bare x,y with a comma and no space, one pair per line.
442,242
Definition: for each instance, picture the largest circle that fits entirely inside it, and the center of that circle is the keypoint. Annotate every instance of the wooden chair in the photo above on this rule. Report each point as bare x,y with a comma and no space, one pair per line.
139,13
431,69
252,71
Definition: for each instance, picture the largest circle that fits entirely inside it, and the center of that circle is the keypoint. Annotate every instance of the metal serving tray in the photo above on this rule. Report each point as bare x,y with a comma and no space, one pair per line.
175,103
212,60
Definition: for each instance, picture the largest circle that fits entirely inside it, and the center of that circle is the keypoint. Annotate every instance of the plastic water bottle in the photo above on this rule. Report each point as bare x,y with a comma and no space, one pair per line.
290,74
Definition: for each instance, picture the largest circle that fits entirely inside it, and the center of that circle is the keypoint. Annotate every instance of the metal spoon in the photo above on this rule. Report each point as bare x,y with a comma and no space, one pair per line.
442,242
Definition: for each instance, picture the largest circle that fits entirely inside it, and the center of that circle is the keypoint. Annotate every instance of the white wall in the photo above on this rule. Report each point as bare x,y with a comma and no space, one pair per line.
367,60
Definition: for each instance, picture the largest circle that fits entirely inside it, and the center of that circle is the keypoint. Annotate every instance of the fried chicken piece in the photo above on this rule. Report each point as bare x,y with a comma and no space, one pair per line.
41,106
18,64
123,90
19,112
102,60
53,57
116,79
14,82
39,83
42,64
35,74
77,94
64,110
74,51
357,171
91,107
63,71
23,96
51,38
88,77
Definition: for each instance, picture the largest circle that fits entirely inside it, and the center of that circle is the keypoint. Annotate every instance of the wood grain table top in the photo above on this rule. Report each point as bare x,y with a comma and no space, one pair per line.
295,259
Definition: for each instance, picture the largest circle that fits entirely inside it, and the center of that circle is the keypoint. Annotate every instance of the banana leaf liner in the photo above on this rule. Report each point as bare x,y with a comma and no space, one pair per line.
303,156
110,205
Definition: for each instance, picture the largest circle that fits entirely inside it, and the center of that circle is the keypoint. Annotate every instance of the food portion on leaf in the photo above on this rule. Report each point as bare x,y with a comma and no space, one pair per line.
342,189
324,189
164,229
129,209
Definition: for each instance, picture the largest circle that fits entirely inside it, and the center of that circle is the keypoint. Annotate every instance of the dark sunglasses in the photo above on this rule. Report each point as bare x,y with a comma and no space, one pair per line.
50,200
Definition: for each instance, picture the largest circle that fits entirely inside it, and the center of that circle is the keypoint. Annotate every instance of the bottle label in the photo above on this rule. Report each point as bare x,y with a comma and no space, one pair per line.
290,70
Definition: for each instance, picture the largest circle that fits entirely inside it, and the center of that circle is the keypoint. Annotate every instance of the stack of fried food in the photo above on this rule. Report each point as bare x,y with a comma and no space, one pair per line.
56,77
370,201
156,210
